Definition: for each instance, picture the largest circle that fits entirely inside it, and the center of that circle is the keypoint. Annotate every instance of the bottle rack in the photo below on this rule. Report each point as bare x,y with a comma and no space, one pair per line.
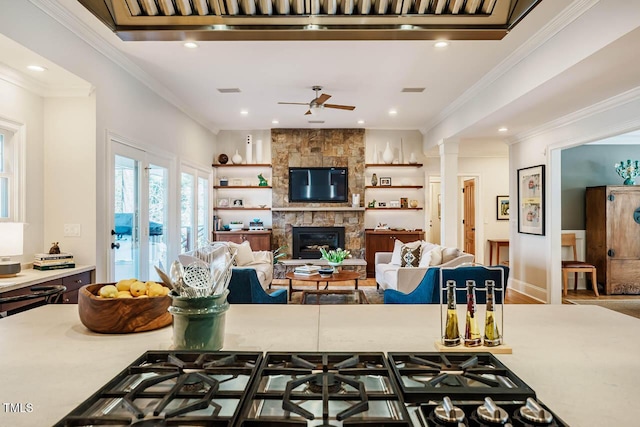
461,308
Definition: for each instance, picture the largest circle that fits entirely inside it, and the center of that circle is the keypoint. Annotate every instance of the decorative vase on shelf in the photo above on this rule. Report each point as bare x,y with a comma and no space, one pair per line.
412,159
249,144
259,151
387,156
237,158
375,154
401,155
374,180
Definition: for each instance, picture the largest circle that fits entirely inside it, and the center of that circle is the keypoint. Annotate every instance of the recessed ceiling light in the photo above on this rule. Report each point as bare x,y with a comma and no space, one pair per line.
36,68
274,122
503,129
441,44
191,45
360,122
244,112
392,112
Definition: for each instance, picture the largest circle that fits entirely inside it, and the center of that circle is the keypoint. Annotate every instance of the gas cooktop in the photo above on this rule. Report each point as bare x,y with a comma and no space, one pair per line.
331,389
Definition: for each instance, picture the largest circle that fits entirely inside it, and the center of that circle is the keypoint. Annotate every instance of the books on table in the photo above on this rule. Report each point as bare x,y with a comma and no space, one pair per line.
307,270
53,261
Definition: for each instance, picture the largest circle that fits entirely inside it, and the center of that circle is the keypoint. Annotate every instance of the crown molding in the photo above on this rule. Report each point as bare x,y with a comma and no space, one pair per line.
546,33
70,21
585,113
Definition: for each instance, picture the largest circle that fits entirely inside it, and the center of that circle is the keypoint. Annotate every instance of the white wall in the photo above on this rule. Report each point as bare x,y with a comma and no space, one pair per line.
27,109
123,105
69,178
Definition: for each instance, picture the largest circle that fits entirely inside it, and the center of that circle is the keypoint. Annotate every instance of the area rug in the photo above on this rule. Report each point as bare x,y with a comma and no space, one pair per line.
374,296
628,307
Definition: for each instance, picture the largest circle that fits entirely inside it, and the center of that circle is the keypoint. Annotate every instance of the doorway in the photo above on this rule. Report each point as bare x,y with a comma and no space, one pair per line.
435,212
469,215
139,203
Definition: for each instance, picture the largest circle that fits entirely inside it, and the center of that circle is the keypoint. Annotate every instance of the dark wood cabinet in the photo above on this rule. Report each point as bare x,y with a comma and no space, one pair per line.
612,230
383,241
259,240
72,282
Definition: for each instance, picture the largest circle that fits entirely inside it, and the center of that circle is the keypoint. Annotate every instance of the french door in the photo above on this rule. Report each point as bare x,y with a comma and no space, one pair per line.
140,206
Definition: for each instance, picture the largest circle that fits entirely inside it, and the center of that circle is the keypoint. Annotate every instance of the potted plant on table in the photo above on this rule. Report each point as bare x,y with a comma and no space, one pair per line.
335,257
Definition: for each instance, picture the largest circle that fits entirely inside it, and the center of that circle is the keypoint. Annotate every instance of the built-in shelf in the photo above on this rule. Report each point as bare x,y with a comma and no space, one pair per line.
231,165
393,165
246,208
395,209
394,186
323,208
240,187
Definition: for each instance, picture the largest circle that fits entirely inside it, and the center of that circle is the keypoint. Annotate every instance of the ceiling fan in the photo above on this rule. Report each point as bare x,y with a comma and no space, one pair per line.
318,103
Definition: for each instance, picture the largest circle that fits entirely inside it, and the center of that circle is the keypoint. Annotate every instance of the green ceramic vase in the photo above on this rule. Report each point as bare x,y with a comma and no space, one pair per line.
198,323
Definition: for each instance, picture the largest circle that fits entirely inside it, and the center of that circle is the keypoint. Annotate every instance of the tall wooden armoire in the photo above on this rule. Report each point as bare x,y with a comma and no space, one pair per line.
613,236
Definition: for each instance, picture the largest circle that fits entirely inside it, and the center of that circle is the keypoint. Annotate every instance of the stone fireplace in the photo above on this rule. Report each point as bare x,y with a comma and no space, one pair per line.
307,241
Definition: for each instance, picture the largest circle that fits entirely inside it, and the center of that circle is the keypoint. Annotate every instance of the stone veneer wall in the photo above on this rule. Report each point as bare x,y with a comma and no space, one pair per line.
314,148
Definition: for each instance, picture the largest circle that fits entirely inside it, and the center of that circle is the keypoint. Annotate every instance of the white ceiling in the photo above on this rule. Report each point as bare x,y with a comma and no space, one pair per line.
367,74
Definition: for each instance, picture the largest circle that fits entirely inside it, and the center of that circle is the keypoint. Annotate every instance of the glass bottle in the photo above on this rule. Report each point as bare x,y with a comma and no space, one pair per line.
451,330
472,336
492,336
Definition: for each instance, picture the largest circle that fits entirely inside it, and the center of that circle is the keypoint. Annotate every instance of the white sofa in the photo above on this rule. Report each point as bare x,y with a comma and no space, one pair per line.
390,274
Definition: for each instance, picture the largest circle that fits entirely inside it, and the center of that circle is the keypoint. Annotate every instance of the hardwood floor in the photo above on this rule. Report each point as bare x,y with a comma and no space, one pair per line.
512,297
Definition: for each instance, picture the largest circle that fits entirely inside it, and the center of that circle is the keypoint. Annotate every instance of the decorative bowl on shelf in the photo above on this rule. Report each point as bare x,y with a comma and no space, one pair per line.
121,315
236,226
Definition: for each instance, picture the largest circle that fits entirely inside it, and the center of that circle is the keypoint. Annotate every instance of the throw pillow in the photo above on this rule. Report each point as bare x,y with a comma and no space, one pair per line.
449,254
396,257
436,255
410,256
244,255
425,259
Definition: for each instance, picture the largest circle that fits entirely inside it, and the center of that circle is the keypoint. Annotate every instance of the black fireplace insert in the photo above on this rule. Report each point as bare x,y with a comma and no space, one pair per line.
307,241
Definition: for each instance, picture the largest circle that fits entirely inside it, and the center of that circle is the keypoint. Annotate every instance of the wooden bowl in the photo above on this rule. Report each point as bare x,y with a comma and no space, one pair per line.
121,315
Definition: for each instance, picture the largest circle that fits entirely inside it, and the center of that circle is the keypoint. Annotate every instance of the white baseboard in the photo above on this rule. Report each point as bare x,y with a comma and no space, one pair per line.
528,290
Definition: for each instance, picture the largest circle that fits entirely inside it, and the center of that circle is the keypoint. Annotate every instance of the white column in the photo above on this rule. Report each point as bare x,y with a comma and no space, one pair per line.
449,191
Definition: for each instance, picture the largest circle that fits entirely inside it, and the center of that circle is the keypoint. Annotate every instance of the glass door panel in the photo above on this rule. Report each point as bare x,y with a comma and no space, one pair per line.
158,218
187,203
126,247
203,208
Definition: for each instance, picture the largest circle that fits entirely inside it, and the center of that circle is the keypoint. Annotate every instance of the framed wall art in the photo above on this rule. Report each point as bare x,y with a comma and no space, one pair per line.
237,203
502,208
223,203
531,200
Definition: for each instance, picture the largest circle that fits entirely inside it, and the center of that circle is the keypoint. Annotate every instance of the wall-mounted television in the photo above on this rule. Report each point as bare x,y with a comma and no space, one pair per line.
328,184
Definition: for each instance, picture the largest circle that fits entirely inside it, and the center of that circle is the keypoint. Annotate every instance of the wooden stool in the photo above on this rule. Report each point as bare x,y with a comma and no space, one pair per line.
569,239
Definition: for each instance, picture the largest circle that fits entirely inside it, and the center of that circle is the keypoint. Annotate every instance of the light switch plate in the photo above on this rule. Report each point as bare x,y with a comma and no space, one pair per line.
72,230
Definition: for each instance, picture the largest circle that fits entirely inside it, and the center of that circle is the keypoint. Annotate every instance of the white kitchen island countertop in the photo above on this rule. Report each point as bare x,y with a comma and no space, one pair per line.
582,361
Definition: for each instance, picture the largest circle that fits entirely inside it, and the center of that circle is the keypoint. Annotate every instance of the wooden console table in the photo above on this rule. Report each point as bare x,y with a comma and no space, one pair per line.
497,243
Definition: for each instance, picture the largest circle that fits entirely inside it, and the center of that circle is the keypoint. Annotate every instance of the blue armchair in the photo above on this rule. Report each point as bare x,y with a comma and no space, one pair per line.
427,291
245,288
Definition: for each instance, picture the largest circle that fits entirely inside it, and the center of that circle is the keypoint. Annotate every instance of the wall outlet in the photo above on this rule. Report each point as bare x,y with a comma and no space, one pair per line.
72,230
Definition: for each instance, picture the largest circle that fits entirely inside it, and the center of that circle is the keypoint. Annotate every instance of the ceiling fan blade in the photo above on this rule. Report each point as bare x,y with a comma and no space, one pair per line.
340,107
307,113
322,99
294,103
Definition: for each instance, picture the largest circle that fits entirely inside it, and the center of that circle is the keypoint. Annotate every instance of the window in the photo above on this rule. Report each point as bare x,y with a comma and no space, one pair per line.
194,208
7,176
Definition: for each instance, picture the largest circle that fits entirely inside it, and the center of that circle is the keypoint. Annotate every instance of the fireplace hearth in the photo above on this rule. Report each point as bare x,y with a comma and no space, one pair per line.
307,241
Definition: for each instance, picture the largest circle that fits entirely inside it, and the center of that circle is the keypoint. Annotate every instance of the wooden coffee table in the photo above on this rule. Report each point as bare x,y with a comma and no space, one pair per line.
342,276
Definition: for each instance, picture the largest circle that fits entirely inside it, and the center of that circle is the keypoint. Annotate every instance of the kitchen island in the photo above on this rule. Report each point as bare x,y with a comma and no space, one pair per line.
582,361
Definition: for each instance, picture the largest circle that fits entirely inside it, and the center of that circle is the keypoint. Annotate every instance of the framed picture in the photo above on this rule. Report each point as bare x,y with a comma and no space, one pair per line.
236,182
531,200
382,204
385,181
502,208
237,203
404,202
223,203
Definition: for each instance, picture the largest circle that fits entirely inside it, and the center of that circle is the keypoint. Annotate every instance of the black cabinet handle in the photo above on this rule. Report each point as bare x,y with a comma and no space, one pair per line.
115,246
611,253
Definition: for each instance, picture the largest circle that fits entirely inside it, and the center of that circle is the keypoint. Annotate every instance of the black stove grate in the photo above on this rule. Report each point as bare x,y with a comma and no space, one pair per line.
425,377
324,389
163,388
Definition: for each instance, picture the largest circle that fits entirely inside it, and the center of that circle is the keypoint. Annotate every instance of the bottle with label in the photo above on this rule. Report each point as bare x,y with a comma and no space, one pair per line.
492,336
472,336
451,330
